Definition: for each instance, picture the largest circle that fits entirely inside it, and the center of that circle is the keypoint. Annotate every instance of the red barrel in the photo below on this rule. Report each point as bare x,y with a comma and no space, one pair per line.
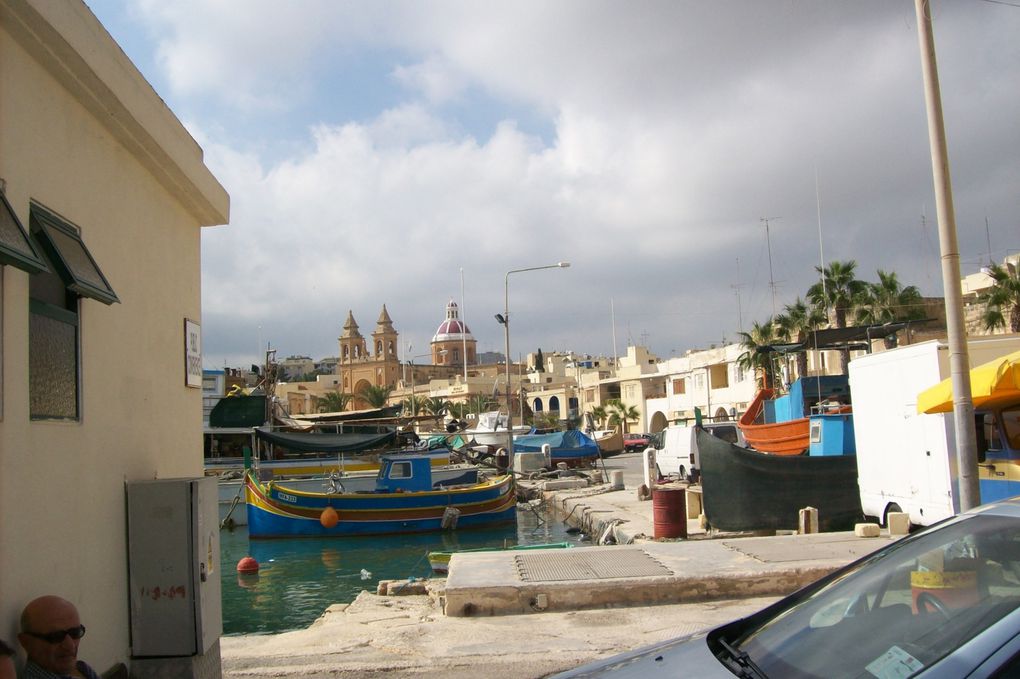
669,512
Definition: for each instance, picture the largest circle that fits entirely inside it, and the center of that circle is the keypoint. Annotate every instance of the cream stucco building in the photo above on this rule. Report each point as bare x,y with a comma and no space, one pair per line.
94,388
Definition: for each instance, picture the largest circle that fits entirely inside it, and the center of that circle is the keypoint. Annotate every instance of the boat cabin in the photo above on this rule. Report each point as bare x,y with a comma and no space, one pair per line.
413,473
809,395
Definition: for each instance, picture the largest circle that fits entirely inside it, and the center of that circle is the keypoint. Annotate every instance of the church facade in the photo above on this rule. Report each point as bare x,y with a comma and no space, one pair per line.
375,360
359,367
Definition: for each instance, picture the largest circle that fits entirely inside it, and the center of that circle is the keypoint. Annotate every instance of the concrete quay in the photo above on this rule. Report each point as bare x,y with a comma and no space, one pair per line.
638,570
531,614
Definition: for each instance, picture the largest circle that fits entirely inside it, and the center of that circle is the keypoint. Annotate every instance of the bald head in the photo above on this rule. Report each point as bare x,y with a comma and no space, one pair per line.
49,616
43,608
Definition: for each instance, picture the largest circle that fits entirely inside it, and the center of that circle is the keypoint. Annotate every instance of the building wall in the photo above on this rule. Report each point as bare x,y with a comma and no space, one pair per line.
710,380
136,186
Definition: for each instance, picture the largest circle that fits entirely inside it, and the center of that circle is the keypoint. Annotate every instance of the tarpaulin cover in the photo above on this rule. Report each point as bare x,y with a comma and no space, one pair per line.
239,411
327,443
744,490
560,440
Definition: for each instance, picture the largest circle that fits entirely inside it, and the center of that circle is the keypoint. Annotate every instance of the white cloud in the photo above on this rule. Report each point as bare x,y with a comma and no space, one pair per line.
674,126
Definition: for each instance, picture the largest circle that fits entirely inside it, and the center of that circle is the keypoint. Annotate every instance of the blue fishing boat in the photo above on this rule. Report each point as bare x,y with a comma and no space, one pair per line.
405,500
571,446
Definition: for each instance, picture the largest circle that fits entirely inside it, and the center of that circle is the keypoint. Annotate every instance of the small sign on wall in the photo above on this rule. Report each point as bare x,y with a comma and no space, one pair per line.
192,354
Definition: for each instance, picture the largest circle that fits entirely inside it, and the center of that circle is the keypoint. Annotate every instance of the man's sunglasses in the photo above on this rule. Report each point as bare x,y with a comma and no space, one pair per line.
57,636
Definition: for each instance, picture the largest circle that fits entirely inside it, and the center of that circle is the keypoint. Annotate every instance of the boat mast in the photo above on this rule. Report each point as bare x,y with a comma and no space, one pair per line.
612,315
463,326
736,288
772,281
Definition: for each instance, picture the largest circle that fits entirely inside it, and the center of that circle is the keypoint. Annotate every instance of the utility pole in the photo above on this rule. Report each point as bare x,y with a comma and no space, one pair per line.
959,360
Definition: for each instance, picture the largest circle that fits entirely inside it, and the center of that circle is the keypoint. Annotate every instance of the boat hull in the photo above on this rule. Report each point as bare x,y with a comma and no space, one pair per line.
745,490
791,437
274,510
780,438
232,494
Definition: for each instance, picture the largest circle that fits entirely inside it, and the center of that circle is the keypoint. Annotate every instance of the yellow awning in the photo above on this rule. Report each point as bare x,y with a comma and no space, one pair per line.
991,384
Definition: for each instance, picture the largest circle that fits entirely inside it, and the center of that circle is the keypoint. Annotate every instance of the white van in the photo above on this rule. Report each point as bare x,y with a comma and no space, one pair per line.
676,450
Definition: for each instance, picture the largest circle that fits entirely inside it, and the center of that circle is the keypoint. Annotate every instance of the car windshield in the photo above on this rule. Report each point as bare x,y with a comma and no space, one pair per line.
901,611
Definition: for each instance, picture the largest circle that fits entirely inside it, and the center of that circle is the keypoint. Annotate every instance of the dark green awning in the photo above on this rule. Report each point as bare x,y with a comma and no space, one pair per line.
239,411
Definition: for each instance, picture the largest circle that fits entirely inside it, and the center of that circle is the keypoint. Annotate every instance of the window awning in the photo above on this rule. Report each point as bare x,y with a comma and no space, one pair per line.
16,248
74,263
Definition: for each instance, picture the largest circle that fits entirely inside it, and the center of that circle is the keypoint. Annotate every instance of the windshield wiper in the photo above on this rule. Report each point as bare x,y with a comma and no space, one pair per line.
747,667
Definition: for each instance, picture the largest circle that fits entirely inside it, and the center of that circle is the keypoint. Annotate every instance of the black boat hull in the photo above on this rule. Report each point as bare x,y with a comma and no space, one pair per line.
744,490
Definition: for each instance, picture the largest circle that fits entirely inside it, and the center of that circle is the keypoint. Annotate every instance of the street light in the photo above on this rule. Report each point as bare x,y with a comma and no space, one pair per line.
504,320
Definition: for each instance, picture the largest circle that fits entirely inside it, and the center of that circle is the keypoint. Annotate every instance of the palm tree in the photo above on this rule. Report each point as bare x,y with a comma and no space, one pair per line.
620,414
435,405
333,402
799,319
839,291
888,301
411,406
757,354
375,397
599,414
480,404
549,420
1002,298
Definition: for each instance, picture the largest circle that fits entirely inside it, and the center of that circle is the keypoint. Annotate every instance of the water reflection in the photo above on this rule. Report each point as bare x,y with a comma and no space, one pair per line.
299,578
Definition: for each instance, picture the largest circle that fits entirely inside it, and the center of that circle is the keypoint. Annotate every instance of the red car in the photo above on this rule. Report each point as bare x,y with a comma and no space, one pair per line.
632,442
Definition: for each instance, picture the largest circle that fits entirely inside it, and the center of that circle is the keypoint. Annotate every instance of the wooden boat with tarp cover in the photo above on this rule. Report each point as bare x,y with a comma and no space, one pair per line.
405,500
572,446
745,490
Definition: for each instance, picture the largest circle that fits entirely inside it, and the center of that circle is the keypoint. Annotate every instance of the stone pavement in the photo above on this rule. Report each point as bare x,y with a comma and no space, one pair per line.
407,636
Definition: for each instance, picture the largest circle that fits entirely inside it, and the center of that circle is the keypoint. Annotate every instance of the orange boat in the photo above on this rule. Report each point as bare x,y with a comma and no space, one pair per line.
776,438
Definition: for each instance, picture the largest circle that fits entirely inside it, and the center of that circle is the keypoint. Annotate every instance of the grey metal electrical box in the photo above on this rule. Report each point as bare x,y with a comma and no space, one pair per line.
173,567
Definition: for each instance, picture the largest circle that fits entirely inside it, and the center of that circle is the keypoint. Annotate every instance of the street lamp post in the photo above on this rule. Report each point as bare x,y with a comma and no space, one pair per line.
504,319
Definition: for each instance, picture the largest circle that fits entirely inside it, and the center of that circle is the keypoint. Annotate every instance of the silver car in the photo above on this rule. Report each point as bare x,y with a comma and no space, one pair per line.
944,602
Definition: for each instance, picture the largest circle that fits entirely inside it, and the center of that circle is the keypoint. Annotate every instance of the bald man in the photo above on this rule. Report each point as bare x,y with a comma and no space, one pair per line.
50,633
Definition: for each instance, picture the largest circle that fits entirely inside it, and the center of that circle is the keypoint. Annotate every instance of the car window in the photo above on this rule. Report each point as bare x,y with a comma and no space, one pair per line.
1011,423
728,434
901,611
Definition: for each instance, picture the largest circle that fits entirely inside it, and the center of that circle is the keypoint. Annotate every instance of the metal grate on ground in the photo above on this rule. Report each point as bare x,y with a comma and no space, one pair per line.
587,565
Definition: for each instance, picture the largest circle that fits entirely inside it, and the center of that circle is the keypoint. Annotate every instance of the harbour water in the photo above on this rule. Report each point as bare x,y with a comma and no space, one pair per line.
299,578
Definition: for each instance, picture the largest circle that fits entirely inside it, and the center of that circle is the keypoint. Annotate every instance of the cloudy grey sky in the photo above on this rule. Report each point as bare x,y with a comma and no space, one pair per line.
374,151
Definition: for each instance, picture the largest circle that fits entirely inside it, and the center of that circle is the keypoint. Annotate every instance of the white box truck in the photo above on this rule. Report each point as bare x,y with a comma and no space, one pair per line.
907,461
676,448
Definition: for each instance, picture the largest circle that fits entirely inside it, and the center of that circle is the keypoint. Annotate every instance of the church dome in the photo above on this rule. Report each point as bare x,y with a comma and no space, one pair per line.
452,328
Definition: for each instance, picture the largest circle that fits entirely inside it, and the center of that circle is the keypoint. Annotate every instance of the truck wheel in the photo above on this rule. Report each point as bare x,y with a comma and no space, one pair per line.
891,508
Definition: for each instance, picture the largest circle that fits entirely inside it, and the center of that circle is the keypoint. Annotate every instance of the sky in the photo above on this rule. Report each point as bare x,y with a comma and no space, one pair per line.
694,161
